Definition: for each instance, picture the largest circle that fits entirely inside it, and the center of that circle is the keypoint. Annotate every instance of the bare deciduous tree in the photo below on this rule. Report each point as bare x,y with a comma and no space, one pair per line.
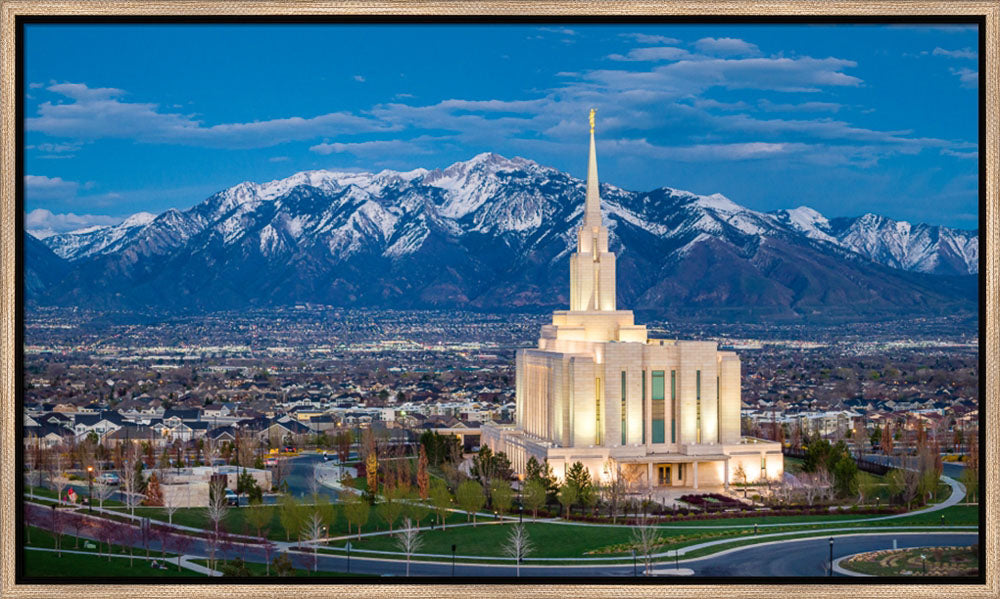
217,506
645,540
614,490
408,540
518,545
313,530
170,504
129,461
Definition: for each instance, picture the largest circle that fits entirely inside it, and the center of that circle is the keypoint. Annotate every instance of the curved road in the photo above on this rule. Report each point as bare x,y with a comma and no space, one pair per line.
811,557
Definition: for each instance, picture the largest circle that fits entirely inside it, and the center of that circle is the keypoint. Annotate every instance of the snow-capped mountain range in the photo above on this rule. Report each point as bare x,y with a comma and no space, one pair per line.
494,232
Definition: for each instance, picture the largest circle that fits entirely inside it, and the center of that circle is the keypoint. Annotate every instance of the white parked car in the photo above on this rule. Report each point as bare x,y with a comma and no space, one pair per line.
109,478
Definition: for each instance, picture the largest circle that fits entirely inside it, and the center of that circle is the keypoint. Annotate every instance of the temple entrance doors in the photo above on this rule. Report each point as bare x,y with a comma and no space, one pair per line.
663,478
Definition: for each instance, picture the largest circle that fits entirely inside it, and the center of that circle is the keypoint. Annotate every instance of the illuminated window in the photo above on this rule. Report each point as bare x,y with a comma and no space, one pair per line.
643,406
597,393
673,405
697,406
658,408
624,429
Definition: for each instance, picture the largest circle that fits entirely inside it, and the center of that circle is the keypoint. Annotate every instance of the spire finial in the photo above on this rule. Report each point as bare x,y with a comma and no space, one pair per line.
593,111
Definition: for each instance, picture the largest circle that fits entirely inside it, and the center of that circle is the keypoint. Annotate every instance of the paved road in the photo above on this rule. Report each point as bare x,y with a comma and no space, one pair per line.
300,475
952,469
806,557
811,557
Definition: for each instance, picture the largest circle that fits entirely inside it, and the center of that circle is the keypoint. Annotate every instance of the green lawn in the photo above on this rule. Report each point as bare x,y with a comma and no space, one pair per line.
550,540
48,564
235,521
42,538
46,492
561,540
257,569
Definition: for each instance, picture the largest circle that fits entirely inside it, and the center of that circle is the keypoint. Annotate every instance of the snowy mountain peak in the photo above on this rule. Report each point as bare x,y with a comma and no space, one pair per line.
138,219
497,202
719,203
806,220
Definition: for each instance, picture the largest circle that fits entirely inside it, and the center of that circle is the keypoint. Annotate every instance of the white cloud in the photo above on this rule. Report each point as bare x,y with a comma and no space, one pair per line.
684,77
706,152
55,148
559,30
359,78
376,149
967,77
40,187
652,54
953,153
769,106
98,113
278,159
643,38
43,223
963,53
726,46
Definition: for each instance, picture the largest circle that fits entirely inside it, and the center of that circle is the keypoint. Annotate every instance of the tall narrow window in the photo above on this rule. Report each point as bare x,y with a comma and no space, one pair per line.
697,406
624,420
673,405
597,392
644,406
658,408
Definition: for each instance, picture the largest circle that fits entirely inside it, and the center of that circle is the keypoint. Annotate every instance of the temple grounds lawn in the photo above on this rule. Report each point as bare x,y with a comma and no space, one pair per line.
236,522
50,494
261,570
553,540
48,564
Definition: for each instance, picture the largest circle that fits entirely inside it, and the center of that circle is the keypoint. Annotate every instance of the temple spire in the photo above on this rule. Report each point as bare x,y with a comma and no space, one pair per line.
592,209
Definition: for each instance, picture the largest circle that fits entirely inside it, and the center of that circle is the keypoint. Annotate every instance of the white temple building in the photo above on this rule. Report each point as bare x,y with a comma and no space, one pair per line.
599,391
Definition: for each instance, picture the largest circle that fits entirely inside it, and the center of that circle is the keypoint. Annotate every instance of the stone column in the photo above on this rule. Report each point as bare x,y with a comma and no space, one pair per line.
695,474
726,474
649,475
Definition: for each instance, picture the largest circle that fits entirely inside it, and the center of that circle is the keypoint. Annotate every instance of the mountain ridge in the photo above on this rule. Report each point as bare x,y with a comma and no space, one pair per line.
494,232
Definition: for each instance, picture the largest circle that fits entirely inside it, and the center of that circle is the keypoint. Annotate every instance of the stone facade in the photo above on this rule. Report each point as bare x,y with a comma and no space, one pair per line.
599,391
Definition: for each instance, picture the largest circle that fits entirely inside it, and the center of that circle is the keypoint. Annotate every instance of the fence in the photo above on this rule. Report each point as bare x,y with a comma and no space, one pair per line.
863,464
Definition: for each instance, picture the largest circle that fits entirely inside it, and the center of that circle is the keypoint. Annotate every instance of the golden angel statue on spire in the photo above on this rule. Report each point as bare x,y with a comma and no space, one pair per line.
593,111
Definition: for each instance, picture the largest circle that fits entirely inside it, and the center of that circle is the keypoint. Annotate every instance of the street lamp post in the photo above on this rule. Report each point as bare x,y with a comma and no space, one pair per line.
453,547
635,565
348,557
923,558
90,489
831,556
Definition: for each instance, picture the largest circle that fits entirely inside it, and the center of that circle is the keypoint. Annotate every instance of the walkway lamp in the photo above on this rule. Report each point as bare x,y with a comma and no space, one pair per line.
754,528
942,519
831,556
635,564
90,489
923,558
453,547
348,557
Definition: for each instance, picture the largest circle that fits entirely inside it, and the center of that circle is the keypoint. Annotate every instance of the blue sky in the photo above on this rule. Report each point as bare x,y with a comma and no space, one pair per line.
846,119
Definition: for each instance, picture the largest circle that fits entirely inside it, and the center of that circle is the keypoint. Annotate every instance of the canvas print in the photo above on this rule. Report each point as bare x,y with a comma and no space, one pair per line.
500,301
